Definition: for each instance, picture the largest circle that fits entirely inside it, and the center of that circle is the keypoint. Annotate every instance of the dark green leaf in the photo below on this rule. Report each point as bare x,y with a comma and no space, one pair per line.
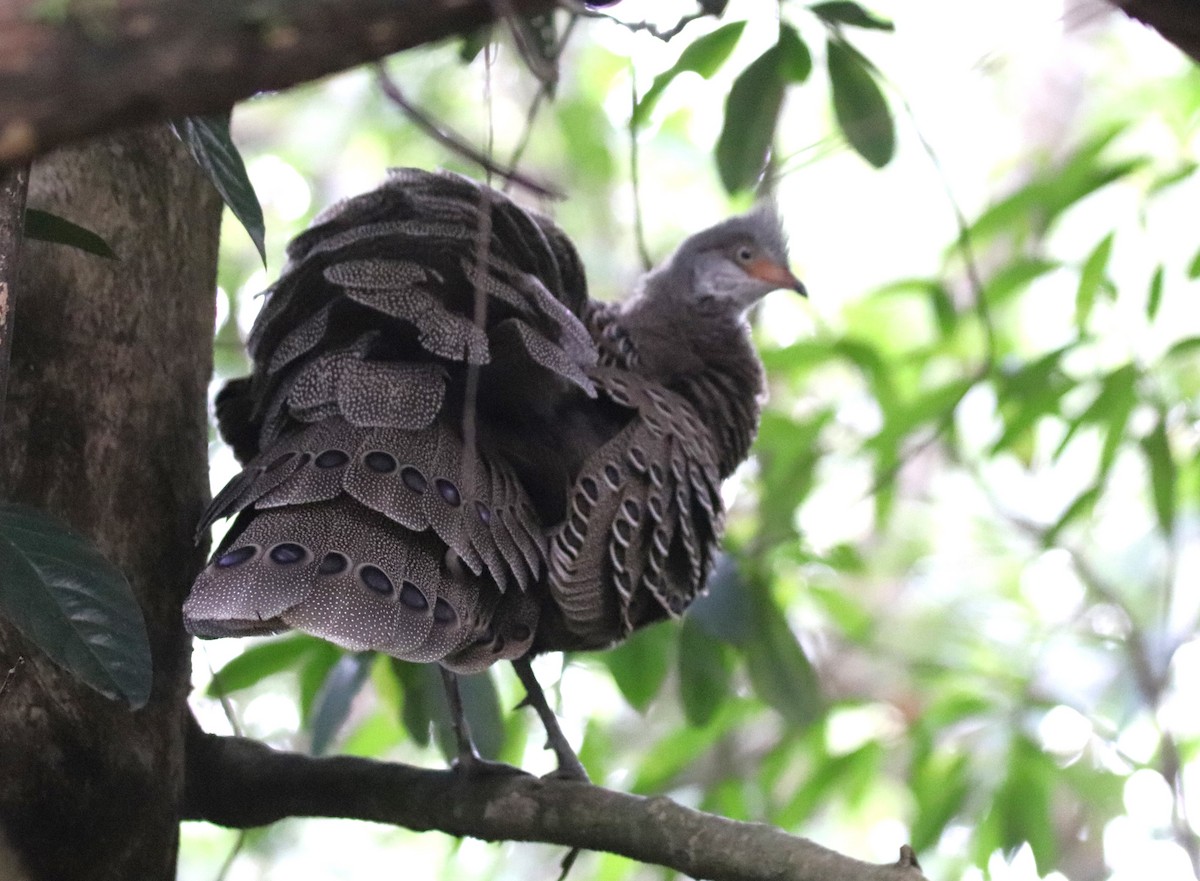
472,44
795,61
74,605
314,669
424,699
639,665
861,111
481,705
1163,473
332,705
1090,279
704,673
47,227
779,670
725,611
1193,270
846,12
751,114
208,139
1154,297
260,661
704,56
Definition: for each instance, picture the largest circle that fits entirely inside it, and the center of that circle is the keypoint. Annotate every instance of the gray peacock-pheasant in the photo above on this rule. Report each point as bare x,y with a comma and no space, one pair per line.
453,455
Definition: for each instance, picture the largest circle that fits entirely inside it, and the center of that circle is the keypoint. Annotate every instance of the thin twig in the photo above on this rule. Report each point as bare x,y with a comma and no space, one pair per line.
966,249
483,244
456,142
14,184
635,26
639,231
538,101
238,845
545,69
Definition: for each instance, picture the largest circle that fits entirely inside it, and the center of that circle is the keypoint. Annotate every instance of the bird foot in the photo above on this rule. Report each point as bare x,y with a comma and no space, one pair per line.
473,765
569,766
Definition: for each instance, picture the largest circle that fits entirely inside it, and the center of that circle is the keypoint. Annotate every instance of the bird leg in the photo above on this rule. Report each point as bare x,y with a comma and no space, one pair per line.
468,759
569,766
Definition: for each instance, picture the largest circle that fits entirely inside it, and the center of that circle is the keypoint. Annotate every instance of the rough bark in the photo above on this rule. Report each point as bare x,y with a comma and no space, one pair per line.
106,427
1177,20
241,783
14,182
89,67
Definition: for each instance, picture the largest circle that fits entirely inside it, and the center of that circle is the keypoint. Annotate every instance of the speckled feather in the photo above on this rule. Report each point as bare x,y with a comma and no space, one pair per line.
586,503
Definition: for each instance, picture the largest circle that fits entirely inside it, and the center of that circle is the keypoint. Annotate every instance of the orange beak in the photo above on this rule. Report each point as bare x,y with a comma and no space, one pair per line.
780,276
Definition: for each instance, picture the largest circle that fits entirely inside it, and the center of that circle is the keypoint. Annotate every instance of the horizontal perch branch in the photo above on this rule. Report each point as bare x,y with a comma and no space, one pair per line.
239,783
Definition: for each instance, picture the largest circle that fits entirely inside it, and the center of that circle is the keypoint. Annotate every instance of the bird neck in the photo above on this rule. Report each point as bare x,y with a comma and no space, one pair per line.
704,353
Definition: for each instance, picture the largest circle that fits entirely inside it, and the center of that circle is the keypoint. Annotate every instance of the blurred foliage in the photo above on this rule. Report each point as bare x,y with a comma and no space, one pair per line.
961,585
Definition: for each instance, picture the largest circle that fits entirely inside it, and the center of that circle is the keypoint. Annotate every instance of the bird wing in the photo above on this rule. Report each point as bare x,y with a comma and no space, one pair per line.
367,514
645,516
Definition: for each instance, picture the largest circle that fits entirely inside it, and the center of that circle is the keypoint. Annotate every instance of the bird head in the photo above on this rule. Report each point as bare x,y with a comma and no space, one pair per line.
736,262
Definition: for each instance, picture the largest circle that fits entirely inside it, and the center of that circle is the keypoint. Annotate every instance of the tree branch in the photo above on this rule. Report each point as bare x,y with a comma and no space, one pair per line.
74,68
1177,20
239,783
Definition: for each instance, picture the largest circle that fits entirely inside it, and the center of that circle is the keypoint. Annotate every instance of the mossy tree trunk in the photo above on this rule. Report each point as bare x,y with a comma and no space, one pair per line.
105,427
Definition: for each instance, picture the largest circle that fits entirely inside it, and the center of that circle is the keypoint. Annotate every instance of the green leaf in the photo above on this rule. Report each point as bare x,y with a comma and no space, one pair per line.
1112,406
704,56
939,785
751,114
1185,348
314,669
1154,297
779,670
208,139
861,111
679,750
1022,805
1016,276
795,61
1091,277
481,706
74,605
839,12
639,665
47,227
725,611
424,699
473,43
332,705
260,661
1080,507
705,670
1163,474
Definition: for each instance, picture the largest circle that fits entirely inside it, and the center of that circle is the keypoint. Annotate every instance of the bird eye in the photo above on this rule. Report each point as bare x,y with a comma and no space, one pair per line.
744,254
